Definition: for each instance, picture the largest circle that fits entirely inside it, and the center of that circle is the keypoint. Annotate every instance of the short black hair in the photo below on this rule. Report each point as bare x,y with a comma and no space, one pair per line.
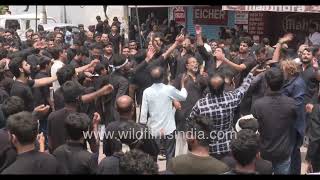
245,147
200,125
55,52
71,91
23,126
12,105
137,162
66,73
274,78
3,53
265,41
15,64
76,123
260,50
158,78
247,41
44,62
98,68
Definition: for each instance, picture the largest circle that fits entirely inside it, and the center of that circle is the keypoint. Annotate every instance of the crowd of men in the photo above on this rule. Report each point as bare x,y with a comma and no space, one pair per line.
254,104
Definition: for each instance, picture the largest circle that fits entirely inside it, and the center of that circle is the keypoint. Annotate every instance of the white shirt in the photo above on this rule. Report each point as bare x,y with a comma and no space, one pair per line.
315,38
208,47
157,101
57,64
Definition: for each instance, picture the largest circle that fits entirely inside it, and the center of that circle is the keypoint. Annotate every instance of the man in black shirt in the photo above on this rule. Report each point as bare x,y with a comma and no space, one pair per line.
115,39
108,55
245,149
22,85
73,96
276,129
23,131
8,153
125,107
73,155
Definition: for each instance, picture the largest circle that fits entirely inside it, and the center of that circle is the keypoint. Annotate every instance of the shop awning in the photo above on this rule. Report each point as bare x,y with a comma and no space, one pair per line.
273,8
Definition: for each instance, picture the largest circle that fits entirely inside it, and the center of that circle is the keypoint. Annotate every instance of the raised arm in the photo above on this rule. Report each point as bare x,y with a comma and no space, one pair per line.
178,41
200,45
85,67
44,81
87,98
240,91
286,38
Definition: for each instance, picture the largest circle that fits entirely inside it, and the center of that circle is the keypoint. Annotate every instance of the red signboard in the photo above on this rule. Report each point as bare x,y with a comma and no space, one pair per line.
179,14
257,23
212,15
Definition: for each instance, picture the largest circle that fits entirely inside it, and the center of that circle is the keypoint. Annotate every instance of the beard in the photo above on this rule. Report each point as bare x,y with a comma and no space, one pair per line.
305,61
26,73
217,91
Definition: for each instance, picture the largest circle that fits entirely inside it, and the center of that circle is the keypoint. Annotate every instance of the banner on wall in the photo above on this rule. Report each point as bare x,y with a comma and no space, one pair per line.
179,15
302,9
241,18
210,15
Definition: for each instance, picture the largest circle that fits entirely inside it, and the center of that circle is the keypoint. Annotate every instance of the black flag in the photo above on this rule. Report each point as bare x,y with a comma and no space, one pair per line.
105,11
27,9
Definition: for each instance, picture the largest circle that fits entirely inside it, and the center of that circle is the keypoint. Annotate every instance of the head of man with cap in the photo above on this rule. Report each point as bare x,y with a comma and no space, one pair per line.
247,122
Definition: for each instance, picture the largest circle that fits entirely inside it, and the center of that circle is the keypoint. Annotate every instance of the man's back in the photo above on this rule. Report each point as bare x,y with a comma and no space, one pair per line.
33,162
192,164
157,101
276,115
56,128
75,158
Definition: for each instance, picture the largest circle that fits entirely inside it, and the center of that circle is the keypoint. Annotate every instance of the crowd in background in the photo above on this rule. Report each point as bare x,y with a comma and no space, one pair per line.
56,85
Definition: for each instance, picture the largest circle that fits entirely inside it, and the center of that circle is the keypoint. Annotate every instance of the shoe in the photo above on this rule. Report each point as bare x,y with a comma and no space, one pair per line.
162,157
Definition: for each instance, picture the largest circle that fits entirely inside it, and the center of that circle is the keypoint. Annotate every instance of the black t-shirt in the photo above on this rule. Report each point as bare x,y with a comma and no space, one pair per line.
115,40
24,91
34,162
236,172
75,159
8,153
41,94
56,128
250,62
109,165
58,99
262,166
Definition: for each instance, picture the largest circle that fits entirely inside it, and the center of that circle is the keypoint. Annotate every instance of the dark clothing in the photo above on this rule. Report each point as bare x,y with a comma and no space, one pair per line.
56,129
109,165
24,91
77,64
112,145
34,61
314,144
296,88
193,164
236,172
195,91
41,94
8,153
75,158
115,40
220,109
180,62
276,129
58,99
34,162
262,166
309,76
106,104
211,63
